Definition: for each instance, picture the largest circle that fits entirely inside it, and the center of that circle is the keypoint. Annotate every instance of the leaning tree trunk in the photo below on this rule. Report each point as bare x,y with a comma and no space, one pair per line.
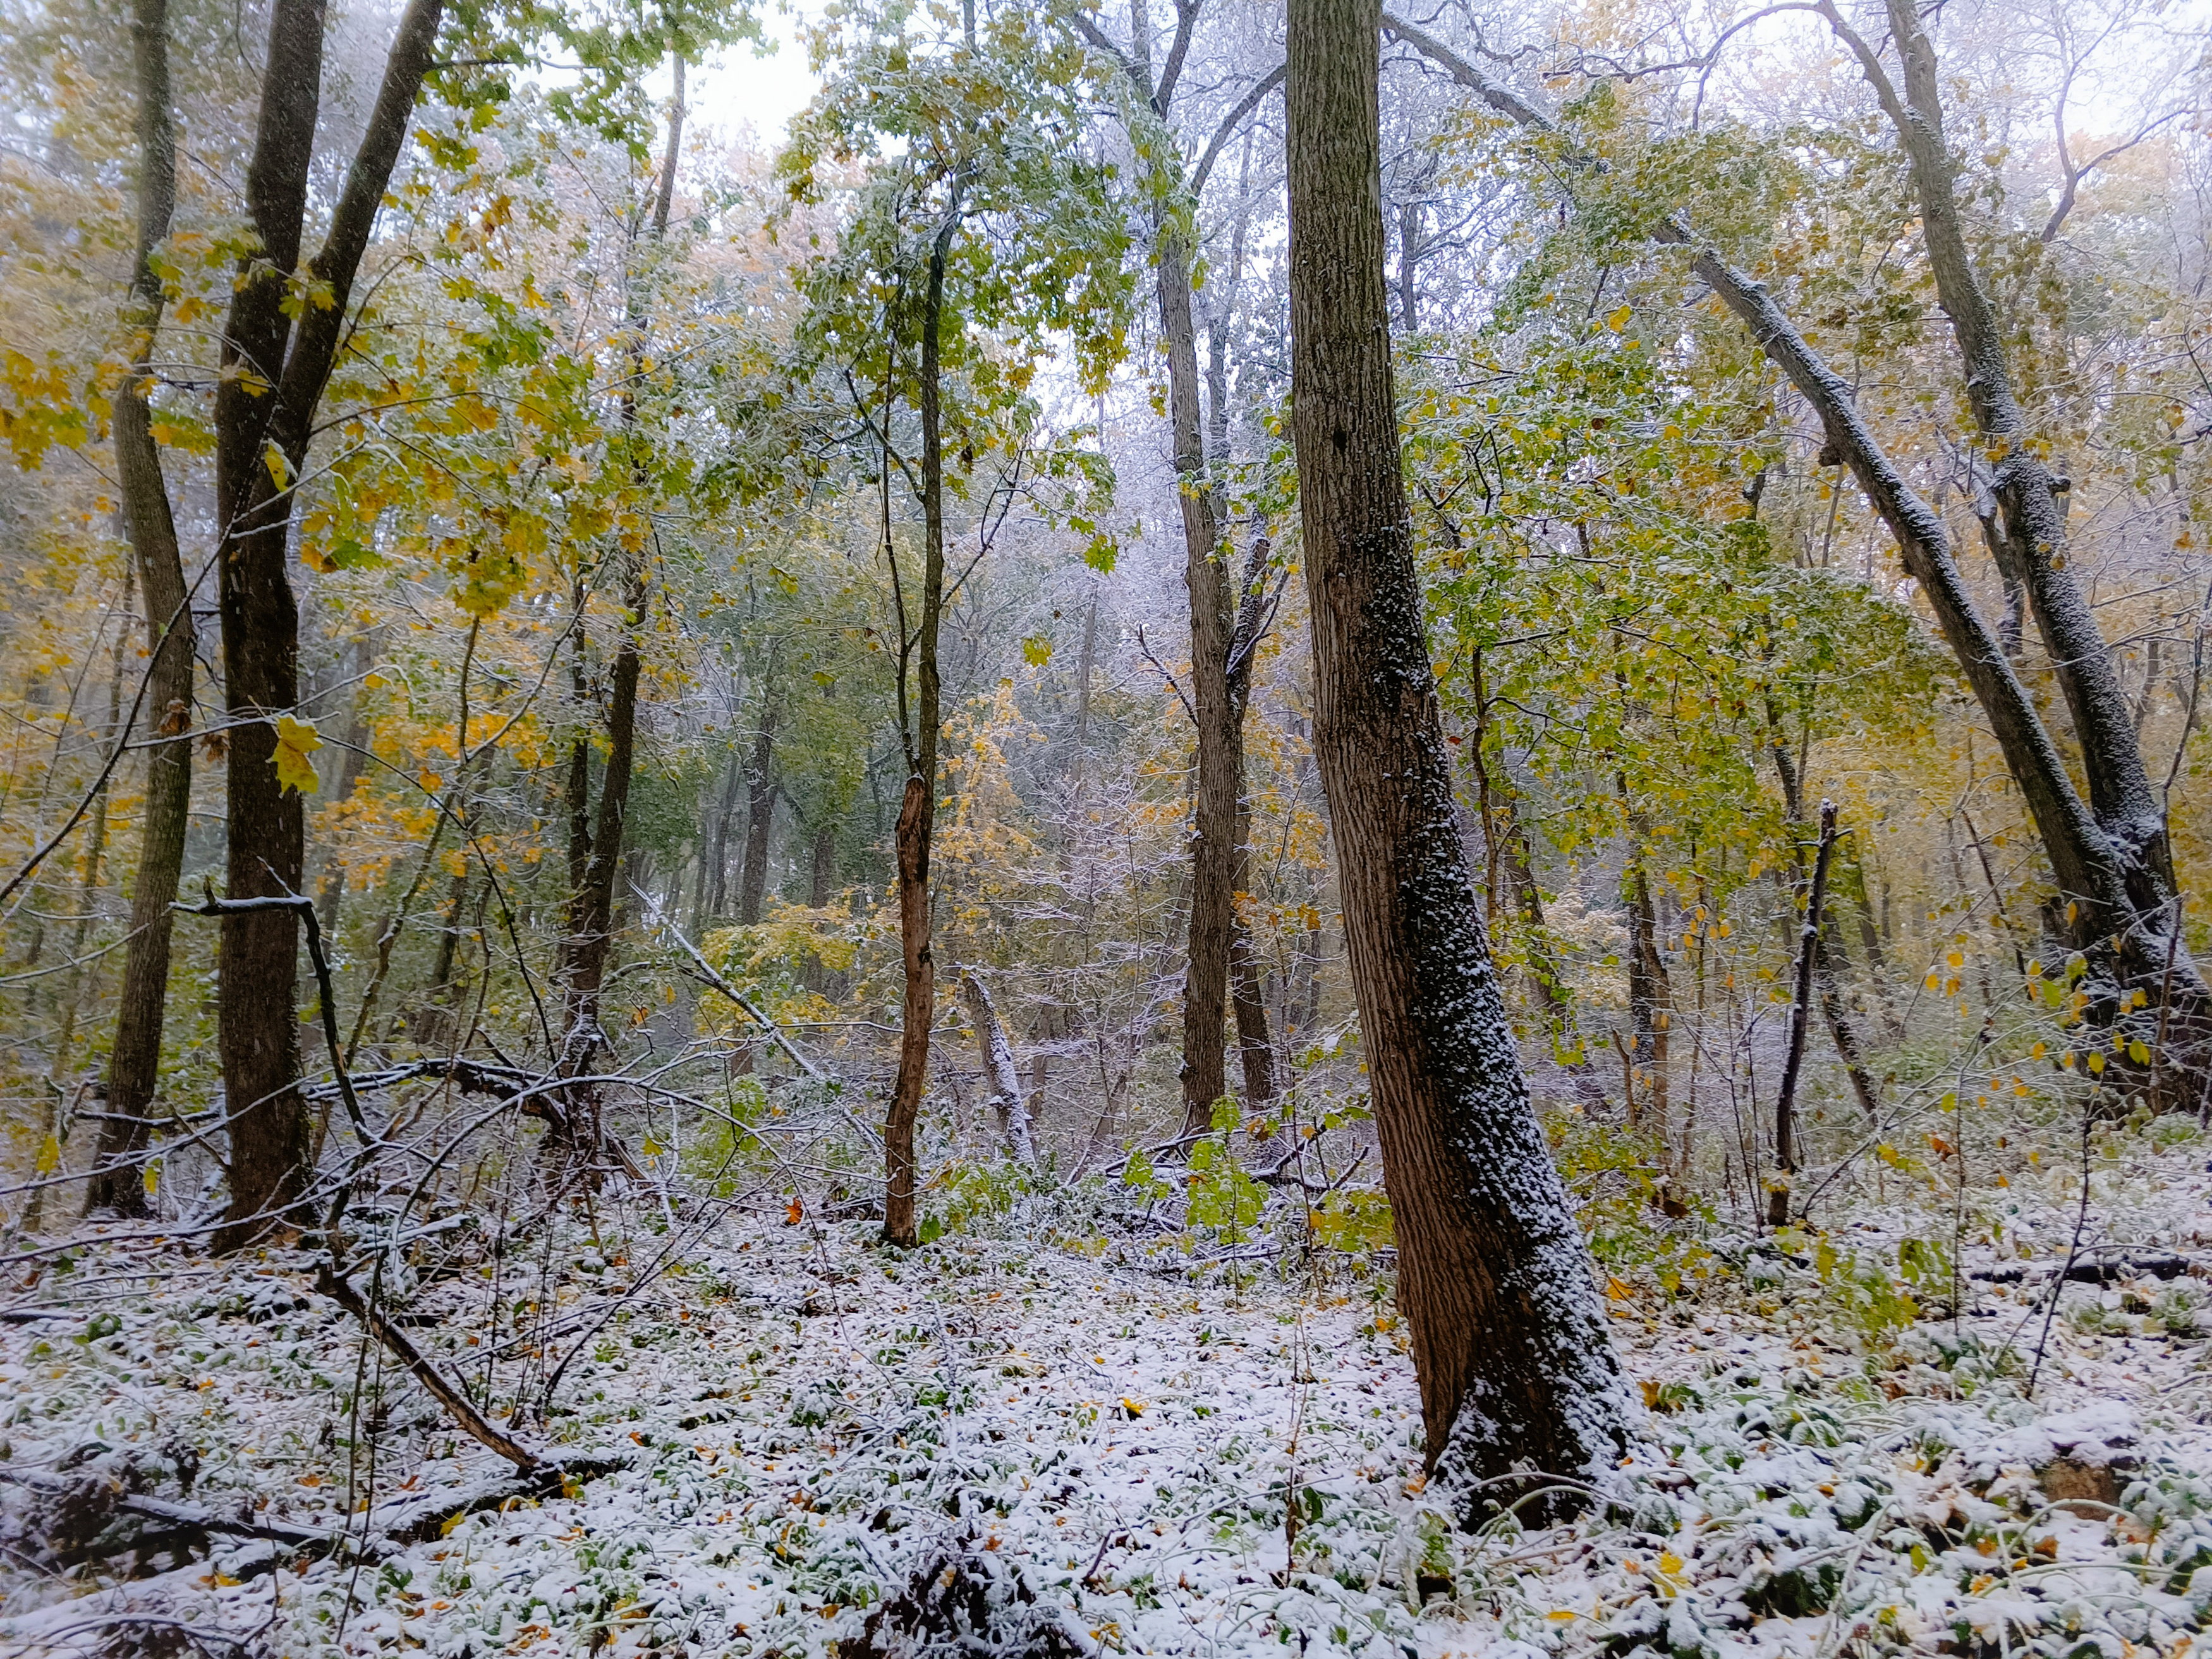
1516,1369
2106,877
917,817
2032,522
274,375
134,1062
998,1057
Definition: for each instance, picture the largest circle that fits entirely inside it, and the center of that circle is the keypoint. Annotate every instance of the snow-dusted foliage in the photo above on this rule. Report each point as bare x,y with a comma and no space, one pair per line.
1029,1438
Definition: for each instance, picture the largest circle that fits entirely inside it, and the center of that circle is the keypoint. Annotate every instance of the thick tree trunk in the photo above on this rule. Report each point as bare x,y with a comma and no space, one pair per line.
1220,738
271,386
258,1033
1515,1369
133,1061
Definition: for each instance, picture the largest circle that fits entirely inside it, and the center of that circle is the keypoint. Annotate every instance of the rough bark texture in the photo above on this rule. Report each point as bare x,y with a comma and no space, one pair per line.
1220,736
272,383
133,1061
1509,1340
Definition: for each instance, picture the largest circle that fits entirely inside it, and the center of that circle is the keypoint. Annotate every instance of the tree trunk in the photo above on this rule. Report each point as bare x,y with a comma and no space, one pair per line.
715,901
1256,1046
1217,705
118,1183
2107,876
760,810
917,817
1510,836
1801,1016
1220,738
271,386
1650,1006
998,1056
591,918
1515,1369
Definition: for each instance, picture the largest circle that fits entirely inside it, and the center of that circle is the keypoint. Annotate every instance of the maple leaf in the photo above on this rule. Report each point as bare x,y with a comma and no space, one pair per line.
296,739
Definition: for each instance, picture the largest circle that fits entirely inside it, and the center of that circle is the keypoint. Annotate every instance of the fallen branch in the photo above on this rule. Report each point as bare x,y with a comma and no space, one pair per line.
714,980
340,1290
2094,1268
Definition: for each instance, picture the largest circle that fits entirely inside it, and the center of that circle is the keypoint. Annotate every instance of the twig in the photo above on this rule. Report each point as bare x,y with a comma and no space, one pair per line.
340,1290
707,968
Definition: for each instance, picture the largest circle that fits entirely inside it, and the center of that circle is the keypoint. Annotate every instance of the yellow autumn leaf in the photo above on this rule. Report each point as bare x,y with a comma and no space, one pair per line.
296,739
50,1155
2139,1052
280,470
1619,320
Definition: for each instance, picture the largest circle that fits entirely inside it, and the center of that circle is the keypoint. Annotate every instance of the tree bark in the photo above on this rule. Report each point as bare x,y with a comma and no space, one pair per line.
591,919
917,817
1651,1006
2032,513
1217,698
133,1061
1515,1369
1801,1018
1220,737
272,383
760,809
998,1057
715,881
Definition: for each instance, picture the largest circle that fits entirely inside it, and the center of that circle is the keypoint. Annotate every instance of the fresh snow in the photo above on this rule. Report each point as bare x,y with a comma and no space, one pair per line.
1095,1442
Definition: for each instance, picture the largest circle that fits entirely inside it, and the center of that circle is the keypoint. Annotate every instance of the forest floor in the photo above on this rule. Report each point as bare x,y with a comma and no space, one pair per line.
803,1443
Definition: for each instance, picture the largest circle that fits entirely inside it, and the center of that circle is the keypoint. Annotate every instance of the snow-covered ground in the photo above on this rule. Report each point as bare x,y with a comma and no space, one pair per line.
1056,1442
